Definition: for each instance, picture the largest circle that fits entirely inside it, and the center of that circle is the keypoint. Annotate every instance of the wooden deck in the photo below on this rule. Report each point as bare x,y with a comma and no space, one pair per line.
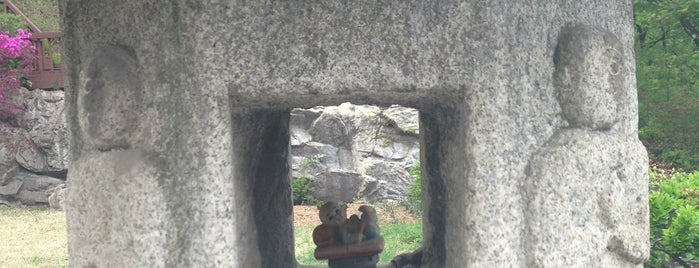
48,69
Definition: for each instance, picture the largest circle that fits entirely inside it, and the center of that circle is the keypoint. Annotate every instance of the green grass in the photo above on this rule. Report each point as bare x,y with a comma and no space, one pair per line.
400,238
303,243
36,237
33,237
43,13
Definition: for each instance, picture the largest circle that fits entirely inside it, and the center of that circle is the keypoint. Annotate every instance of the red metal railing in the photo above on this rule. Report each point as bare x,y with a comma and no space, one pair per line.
48,69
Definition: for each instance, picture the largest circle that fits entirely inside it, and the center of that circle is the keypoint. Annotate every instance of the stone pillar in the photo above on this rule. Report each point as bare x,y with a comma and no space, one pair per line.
444,188
152,183
263,173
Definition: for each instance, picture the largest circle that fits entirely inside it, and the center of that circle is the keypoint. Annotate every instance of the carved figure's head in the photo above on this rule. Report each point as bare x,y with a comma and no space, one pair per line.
111,98
368,213
332,214
590,77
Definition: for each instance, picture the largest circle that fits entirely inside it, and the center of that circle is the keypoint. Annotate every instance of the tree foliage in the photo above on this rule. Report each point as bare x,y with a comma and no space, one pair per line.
16,61
674,217
667,61
11,22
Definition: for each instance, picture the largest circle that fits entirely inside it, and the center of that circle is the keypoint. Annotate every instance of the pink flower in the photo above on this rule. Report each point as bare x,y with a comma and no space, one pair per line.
14,46
16,59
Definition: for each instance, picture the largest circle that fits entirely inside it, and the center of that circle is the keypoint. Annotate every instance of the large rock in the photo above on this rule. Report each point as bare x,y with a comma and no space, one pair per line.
337,185
10,139
39,141
29,189
356,138
44,121
405,119
11,188
30,156
56,197
388,181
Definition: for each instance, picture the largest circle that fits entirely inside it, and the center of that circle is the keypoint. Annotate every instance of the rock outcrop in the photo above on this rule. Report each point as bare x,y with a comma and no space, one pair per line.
33,148
355,151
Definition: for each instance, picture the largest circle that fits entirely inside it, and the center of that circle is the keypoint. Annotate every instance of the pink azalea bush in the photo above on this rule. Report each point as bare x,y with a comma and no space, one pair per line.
16,61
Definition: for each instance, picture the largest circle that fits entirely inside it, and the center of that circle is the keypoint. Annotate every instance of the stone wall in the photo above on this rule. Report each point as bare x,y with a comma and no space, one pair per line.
355,151
34,150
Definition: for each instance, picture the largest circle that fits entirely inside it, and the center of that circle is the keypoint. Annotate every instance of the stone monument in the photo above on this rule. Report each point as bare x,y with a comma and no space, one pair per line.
178,113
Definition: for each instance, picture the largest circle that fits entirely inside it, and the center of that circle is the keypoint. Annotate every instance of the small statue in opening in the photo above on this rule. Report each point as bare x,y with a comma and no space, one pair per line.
348,242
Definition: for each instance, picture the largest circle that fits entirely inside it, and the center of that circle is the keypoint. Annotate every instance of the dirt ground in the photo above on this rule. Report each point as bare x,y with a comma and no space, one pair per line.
388,213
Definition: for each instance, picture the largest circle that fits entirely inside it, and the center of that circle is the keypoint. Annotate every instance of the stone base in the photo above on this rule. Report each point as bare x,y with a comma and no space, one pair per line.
355,262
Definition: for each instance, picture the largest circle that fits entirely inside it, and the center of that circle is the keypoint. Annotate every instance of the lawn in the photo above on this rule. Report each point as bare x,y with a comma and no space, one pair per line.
33,237
36,237
43,13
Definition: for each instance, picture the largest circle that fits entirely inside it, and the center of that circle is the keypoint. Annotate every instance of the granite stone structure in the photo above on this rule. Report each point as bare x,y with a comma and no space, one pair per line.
178,113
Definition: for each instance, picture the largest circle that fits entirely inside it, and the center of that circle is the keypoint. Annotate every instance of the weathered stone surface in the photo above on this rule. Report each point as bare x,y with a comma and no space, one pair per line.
337,185
39,142
308,167
32,198
10,202
134,207
329,156
300,136
391,181
111,98
32,182
44,122
586,205
353,138
56,197
330,129
11,188
30,156
9,138
405,119
212,84
28,189
34,188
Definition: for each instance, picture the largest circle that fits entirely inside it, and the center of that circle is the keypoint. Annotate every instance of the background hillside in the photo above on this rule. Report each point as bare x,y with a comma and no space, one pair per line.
43,13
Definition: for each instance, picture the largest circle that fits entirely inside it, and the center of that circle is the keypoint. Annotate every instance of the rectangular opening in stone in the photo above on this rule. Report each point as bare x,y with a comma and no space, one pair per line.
357,155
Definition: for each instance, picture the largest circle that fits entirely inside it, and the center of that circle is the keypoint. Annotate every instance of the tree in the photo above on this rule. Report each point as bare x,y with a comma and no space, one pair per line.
667,67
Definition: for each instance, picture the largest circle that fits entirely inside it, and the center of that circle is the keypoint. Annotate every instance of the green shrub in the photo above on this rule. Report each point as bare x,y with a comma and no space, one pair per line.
414,201
682,238
674,217
43,13
301,194
10,23
416,190
400,238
